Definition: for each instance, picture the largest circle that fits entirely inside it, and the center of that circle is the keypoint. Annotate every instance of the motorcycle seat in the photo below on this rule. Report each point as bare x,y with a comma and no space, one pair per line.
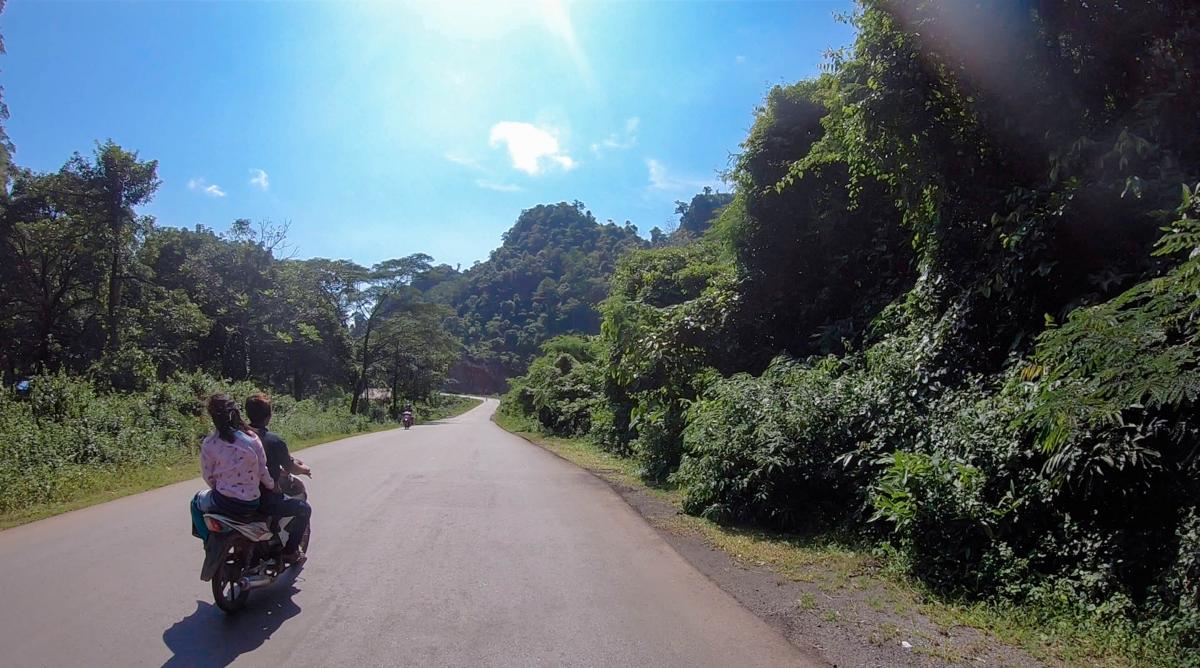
255,530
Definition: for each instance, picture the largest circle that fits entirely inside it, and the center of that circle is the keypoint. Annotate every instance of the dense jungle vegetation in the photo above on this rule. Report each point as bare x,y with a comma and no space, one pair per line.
951,308
90,287
545,279
121,327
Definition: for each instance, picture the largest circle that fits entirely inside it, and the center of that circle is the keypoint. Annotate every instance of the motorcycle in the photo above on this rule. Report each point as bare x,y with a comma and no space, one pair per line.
244,554
407,418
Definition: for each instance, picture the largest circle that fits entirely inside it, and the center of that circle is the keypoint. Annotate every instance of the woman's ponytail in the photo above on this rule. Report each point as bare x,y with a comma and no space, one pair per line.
225,416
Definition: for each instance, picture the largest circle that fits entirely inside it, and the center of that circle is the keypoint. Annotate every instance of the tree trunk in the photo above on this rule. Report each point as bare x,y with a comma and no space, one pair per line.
395,395
114,299
361,385
43,353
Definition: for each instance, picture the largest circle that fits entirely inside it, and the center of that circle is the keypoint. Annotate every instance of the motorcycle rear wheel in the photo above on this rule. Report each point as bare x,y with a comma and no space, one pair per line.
228,595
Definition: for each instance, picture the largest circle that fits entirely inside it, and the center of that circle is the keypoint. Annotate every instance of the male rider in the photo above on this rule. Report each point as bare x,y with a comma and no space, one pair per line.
279,464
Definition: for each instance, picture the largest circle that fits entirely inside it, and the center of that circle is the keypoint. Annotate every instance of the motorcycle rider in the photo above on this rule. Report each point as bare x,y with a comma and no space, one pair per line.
280,463
232,460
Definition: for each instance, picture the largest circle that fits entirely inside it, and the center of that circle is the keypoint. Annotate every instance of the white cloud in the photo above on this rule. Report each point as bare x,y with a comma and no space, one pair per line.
464,160
661,179
260,180
658,174
210,189
498,187
740,60
625,140
531,149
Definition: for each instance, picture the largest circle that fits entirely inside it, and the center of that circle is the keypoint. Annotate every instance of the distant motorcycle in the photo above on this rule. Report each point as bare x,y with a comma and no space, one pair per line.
407,419
244,554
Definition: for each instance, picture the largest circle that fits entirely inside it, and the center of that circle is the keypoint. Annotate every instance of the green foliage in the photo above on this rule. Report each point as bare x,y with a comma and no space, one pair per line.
545,280
415,353
937,506
669,320
819,252
232,309
867,339
1136,351
763,449
695,217
87,285
67,431
562,389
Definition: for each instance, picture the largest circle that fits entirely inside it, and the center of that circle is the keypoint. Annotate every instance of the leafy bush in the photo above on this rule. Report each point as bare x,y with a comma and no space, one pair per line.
66,433
764,449
562,388
928,217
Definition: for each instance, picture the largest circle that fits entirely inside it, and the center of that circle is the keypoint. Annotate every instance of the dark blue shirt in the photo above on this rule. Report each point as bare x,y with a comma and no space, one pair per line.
279,460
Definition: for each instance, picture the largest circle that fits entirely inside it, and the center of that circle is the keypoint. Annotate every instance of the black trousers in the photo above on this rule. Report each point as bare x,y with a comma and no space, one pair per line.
277,505
235,508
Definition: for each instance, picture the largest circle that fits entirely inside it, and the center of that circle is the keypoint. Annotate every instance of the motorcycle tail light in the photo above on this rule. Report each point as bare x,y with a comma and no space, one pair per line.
213,525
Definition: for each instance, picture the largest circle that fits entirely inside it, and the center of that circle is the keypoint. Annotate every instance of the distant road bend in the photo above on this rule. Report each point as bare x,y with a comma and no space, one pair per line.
452,544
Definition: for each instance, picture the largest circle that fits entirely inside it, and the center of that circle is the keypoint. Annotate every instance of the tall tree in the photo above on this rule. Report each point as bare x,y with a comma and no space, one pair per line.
48,262
416,350
6,145
114,182
387,289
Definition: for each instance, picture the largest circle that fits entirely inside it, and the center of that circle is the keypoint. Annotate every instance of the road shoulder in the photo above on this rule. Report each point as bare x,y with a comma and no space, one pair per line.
833,605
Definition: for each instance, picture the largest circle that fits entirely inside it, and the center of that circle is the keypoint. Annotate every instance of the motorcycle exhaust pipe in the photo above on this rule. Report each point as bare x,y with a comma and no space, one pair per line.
255,582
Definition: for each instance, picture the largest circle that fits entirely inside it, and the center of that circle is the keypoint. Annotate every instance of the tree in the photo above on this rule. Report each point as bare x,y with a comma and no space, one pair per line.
387,289
312,346
112,184
545,279
6,145
696,216
48,264
416,351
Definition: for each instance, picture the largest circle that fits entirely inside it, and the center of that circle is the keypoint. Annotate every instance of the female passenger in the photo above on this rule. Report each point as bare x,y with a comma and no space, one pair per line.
232,460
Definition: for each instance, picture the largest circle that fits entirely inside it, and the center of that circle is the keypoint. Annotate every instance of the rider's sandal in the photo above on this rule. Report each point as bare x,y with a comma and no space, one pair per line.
294,558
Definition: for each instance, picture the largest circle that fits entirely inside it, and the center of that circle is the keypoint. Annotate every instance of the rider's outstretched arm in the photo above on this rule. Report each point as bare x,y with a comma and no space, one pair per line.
299,468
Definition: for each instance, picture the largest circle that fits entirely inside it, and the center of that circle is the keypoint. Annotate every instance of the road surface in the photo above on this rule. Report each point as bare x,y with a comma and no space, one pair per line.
451,544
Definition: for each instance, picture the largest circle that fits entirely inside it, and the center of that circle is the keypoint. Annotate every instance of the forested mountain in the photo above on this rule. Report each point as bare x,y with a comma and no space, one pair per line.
952,307
545,279
695,217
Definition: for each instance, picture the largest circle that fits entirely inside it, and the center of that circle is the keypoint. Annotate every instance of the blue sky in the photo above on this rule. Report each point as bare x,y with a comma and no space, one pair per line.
384,129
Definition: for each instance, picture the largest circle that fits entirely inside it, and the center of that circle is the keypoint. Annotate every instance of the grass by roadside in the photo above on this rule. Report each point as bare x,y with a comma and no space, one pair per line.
851,580
453,405
99,484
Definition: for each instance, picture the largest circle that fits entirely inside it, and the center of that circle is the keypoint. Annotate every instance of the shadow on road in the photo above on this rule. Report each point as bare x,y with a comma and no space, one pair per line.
208,637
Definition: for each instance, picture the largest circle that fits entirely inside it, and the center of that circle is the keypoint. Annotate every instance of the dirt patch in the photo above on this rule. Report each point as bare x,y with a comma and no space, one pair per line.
842,615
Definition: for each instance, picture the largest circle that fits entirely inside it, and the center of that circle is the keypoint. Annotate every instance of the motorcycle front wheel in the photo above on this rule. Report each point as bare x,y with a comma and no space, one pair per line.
229,596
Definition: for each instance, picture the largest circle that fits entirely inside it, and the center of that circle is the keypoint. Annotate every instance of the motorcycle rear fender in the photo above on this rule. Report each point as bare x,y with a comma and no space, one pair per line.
216,546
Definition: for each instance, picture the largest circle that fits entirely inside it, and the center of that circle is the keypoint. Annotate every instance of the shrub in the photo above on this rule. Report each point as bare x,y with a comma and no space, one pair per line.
67,434
562,390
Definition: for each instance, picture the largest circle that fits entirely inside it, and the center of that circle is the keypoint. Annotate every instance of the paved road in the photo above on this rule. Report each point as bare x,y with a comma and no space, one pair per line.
452,544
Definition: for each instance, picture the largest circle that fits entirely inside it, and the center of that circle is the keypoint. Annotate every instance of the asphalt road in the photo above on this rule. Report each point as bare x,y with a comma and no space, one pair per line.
451,544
